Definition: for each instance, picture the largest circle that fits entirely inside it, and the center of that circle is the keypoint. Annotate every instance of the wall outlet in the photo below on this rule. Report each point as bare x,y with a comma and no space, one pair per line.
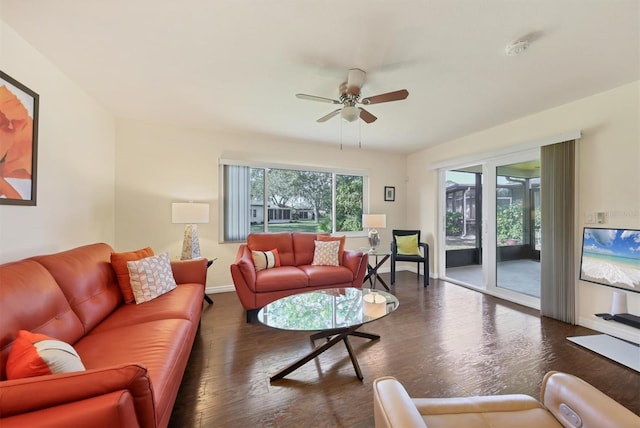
600,217
589,218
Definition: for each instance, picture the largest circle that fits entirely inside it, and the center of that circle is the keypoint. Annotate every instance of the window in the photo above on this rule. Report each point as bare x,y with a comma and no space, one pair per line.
263,198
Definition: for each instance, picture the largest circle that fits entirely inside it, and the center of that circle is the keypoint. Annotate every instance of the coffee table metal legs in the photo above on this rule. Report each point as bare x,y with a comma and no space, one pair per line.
333,337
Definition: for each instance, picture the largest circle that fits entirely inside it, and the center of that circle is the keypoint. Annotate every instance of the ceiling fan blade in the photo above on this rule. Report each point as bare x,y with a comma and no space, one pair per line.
384,98
315,98
366,116
329,116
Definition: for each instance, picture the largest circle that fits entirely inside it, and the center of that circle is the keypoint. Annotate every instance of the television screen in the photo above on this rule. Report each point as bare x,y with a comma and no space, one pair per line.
611,257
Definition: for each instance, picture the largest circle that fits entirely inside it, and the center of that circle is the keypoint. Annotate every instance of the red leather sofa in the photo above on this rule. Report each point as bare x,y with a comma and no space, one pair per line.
134,355
296,274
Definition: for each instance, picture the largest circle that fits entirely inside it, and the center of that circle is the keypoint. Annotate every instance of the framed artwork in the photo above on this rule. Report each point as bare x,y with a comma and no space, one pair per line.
389,193
19,143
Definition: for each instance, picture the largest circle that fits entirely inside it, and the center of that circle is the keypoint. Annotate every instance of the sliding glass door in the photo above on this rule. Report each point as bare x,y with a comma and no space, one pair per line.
490,228
517,204
463,224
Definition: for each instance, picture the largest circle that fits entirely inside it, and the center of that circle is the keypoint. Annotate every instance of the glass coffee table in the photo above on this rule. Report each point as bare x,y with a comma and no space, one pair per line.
334,314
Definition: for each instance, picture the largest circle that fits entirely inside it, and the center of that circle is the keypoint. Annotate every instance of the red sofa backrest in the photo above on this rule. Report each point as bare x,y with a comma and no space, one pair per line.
268,241
294,248
304,247
32,300
87,280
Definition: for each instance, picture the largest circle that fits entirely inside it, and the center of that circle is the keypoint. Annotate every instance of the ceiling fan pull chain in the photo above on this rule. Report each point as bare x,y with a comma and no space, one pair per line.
359,134
340,135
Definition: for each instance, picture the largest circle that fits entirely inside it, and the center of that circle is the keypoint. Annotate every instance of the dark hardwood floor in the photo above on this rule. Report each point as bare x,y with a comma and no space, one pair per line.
443,341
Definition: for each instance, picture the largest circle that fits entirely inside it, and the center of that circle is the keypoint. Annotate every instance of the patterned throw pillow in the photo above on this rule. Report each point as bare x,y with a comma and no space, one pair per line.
265,259
34,354
408,245
326,253
119,265
341,239
151,277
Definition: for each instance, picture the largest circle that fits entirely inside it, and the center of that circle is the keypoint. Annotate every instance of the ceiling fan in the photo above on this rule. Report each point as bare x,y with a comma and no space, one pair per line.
350,98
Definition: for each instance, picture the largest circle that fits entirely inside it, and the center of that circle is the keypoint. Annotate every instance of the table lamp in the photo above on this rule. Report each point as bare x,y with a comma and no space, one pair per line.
190,213
372,221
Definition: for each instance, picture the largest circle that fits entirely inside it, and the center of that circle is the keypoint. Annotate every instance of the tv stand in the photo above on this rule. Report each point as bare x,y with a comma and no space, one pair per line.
628,319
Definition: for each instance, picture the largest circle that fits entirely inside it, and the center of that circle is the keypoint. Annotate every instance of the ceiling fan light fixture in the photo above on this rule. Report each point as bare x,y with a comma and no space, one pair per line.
350,113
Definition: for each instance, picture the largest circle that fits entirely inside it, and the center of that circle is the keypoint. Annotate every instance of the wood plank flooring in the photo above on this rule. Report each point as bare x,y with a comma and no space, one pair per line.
443,341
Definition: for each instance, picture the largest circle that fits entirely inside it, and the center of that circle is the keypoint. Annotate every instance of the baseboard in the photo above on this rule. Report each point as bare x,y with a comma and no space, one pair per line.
219,289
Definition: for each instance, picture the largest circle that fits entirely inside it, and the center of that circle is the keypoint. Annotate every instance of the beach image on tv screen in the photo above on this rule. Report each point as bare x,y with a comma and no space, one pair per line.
611,257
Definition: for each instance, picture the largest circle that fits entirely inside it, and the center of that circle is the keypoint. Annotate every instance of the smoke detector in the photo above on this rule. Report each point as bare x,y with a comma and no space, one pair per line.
516,48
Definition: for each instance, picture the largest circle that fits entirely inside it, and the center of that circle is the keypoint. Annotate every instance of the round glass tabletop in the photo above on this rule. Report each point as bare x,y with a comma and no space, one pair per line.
328,309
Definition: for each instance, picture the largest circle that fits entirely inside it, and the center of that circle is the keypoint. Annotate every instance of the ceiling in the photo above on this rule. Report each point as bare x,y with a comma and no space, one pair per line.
236,65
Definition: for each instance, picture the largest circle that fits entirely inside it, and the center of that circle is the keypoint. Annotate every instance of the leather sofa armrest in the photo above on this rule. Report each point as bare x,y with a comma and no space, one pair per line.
243,271
573,402
113,409
392,406
41,392
356,261
190,271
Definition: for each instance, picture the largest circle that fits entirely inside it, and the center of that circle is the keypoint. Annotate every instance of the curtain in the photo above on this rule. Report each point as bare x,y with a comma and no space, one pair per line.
557,256
237,202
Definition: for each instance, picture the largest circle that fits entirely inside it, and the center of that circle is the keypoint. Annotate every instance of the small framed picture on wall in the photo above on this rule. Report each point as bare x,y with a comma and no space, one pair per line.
389,193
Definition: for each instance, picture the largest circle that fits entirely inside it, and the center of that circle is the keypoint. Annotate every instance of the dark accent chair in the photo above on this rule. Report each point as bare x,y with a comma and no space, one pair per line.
395,257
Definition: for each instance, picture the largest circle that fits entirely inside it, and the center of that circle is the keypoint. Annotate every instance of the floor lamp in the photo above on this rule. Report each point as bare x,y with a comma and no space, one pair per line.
190,214
372,221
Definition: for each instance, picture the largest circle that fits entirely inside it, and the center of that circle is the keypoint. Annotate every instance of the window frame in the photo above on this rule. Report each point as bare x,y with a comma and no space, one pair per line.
364,173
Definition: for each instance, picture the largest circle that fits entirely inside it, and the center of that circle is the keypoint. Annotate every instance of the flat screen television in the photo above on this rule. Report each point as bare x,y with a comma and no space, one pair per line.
611,257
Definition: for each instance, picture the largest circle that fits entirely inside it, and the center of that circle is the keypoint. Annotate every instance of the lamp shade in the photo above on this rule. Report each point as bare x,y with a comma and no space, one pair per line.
374,220
189,212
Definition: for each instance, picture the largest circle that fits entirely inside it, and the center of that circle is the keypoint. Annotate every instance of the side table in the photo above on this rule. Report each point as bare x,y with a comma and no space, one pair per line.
206,296
372,271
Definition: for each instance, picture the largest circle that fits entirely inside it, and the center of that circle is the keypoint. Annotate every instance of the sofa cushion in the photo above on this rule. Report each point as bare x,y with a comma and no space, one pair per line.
268,241
87,280
34,354
281,278
183,302
31,300
265,259
304,246
326,253
163,346
151,277
119,265
327,275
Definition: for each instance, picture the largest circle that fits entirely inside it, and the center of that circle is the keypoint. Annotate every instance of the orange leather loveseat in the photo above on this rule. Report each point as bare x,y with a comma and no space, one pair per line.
296,274
134,355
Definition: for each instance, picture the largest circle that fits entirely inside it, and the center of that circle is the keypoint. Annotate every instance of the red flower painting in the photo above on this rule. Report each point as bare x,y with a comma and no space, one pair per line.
17,143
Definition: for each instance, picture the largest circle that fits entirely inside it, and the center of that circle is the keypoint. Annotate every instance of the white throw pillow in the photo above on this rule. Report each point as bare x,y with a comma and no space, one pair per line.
151,277
34,354
265,259
326,253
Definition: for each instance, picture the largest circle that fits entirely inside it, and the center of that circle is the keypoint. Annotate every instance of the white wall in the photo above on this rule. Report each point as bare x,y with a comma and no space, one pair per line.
158,164
608,176
75,175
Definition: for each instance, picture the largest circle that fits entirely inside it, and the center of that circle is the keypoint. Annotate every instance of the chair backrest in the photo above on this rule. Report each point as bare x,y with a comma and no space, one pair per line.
399,232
